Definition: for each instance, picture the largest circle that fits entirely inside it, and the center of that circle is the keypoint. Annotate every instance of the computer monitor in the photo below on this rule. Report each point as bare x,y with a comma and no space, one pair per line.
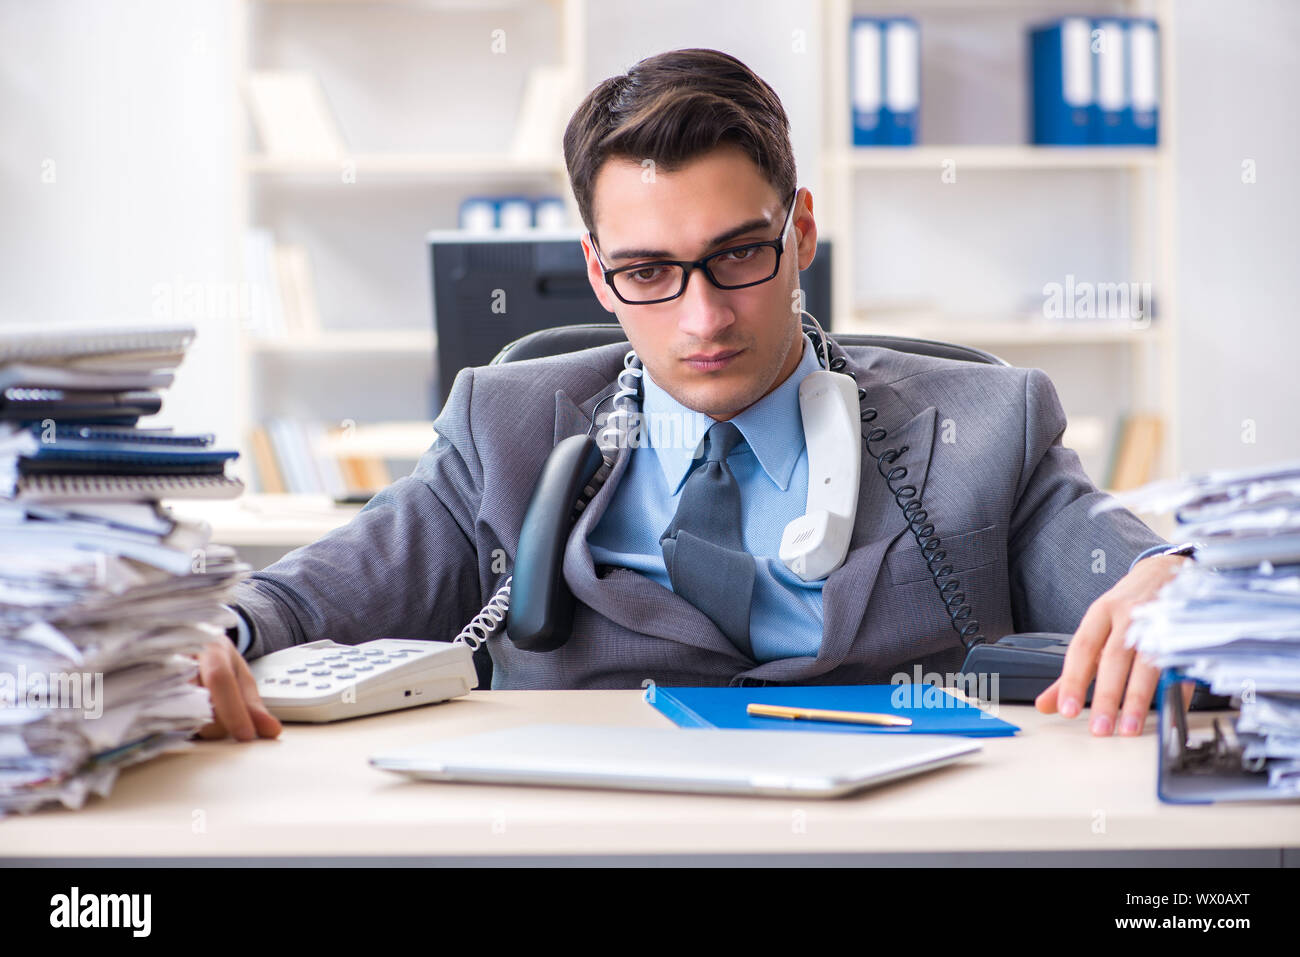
489,290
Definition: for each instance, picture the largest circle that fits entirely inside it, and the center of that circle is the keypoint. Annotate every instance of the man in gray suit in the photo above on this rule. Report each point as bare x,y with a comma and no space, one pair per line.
686,157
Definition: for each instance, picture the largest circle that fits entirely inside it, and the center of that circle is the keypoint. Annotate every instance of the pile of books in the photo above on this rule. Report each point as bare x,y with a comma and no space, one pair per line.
1231,617
106,597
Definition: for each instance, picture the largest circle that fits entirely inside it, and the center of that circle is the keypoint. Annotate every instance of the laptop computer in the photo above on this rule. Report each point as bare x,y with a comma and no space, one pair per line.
693,760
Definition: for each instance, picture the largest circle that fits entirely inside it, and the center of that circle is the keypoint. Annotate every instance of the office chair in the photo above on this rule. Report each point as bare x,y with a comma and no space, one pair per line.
562,339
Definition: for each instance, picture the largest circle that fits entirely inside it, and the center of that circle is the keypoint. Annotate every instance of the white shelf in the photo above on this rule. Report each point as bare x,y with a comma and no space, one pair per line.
995,157
417,342
1028,332
406,164
259,519
388,440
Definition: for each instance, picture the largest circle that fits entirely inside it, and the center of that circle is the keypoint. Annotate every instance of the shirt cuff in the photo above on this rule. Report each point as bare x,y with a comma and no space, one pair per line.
1185,549
241,634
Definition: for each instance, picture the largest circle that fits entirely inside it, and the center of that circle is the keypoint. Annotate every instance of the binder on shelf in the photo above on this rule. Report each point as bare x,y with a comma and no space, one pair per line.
1112,113
902,47
1144,82
1062,83
866,65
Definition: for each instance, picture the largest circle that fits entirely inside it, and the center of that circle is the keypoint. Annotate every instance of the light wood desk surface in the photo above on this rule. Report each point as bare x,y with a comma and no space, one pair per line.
312,794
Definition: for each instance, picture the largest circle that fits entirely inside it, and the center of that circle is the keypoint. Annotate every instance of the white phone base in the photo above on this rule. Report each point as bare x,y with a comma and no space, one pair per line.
326,681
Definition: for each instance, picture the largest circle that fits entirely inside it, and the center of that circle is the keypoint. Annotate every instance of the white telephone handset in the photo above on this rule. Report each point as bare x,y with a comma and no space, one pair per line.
816,543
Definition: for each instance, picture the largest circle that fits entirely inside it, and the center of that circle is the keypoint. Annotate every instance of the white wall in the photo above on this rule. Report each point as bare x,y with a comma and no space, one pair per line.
128,106
1239,244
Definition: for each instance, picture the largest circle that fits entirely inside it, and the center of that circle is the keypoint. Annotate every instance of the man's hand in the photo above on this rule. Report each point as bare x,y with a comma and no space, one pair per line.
237,707
1097,648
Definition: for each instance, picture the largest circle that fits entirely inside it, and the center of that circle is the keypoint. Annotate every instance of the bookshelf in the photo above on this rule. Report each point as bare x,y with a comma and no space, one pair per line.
384,165
363,211
974,86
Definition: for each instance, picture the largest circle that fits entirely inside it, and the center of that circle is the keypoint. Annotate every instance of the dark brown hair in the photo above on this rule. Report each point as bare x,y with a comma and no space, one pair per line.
672,108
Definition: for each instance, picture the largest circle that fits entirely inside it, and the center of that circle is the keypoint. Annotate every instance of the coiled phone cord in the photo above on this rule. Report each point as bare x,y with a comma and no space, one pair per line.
610,438
614,435
907,498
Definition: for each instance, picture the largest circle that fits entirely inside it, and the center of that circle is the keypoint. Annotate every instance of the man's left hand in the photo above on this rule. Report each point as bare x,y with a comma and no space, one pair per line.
1098,648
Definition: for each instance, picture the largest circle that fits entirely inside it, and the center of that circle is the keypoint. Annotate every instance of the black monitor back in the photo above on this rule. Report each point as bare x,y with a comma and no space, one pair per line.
489,291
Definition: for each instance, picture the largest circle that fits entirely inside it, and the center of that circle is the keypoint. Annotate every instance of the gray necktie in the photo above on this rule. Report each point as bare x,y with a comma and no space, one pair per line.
706,560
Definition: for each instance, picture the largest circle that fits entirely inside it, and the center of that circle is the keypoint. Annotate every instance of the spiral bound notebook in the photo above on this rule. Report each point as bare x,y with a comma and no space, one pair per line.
69,341
125,488
932,710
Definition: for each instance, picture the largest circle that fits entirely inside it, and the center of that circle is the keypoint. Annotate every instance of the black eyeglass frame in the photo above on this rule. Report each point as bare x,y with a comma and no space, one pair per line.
687,266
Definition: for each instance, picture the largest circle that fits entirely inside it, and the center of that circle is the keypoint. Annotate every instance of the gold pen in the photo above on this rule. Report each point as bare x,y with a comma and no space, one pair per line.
822,714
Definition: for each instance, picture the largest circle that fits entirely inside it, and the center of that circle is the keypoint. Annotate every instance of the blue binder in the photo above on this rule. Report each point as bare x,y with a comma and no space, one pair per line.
1187,773
932,710
1143,49
1061,70
867,83
1112,112
902,100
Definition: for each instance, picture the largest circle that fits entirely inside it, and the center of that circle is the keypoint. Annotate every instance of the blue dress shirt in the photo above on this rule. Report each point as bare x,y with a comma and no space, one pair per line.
771,469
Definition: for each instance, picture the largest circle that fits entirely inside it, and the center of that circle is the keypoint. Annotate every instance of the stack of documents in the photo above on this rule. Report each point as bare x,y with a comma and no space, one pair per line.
1231,616
106,597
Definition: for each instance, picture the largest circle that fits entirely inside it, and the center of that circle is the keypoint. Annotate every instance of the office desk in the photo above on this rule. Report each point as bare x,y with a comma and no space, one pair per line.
1052,794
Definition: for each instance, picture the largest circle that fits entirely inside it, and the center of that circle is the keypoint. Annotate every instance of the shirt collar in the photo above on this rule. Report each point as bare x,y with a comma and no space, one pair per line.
772,426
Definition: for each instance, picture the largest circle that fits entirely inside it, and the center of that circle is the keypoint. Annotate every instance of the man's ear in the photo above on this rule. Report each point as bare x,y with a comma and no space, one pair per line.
596,275
806,229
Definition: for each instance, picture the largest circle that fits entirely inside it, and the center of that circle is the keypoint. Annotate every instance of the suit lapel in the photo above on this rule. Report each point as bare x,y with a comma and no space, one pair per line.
622,595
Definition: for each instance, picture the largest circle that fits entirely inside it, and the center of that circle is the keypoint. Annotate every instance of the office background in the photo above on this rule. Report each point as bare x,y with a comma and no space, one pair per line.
133,173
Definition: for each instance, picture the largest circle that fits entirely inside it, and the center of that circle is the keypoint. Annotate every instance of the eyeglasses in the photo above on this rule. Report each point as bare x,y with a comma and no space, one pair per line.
665,279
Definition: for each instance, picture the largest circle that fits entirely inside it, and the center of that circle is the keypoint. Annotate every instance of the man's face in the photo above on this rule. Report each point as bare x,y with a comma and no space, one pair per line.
753,333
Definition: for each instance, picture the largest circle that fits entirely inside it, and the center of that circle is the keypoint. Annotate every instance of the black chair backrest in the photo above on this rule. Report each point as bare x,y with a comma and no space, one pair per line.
562,339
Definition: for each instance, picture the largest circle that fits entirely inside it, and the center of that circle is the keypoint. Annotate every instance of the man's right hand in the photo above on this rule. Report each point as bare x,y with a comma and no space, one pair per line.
236,706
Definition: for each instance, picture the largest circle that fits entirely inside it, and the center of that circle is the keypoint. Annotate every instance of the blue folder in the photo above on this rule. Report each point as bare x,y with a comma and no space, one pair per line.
1061,69
867,88
932,710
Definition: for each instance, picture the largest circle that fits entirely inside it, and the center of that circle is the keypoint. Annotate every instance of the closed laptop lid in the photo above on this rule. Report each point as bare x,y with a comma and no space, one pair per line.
704,760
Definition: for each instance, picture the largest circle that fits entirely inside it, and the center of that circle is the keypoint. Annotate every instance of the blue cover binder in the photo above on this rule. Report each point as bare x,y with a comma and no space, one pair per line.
1112,112
932,710
902,60
1182,780
867,83
1061,72
1143,48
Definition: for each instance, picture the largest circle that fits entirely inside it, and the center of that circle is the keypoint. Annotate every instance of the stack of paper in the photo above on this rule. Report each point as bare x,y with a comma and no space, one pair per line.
106,597
1231,617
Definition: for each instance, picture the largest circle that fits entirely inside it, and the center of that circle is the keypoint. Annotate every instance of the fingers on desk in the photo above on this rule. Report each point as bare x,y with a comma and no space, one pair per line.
1113,670
236,705
1081,658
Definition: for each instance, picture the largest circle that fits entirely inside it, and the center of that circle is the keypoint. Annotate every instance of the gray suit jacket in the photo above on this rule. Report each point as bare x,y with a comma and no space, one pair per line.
1009,502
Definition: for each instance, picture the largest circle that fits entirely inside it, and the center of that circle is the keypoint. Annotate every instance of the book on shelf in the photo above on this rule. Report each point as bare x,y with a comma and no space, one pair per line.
1137,450
292,118
310,458
282,301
